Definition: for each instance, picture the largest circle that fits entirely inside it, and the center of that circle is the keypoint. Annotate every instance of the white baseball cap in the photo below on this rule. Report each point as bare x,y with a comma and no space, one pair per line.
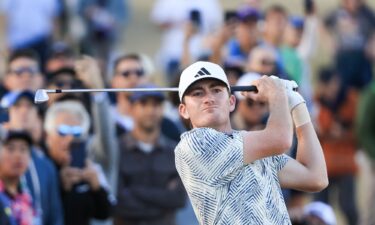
245,80
322,211
198,71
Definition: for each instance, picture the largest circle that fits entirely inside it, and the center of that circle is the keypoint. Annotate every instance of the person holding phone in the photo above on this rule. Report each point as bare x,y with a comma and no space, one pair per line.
84,191
172,16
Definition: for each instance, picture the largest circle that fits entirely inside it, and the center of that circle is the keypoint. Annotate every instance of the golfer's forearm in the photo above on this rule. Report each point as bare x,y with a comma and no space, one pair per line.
279,124
310,154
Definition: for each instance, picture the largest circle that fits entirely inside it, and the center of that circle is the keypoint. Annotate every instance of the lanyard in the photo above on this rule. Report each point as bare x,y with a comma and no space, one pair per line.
6,202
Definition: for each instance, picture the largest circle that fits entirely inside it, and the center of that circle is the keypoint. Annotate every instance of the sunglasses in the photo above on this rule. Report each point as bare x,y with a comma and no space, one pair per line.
65,130
268,62
64,83
21,70
251,103
126,73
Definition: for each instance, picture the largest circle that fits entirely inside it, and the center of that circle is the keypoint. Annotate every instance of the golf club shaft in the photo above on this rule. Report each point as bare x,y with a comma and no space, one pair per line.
173,89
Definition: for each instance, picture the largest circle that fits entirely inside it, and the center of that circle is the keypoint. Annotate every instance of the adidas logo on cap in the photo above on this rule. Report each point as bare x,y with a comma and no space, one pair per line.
205,70
202,72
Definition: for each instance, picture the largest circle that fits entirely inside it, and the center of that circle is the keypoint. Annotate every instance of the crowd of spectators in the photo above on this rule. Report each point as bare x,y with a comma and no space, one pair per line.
108,158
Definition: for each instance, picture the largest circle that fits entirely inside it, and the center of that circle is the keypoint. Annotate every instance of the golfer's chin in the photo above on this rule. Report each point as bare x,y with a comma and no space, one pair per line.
208,120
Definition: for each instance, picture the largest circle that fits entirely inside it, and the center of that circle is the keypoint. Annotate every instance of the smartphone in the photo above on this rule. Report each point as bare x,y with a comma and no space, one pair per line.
230,16
195,17
78,154
309,6
4,115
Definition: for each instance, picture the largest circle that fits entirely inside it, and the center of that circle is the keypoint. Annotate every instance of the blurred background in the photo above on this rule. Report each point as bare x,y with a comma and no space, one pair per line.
89,155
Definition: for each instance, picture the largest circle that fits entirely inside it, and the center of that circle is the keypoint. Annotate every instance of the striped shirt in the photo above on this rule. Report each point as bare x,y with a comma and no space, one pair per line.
222,189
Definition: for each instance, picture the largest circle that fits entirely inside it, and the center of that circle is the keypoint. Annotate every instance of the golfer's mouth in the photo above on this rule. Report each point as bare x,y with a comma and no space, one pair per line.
210,108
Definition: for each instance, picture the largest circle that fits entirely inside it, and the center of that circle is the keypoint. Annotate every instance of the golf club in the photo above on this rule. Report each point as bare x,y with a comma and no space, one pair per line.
41,95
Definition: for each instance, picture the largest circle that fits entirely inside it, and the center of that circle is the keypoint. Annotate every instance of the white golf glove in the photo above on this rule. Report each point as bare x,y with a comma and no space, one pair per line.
294,98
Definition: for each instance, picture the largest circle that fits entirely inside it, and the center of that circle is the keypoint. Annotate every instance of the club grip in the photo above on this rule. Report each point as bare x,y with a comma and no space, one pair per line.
244,88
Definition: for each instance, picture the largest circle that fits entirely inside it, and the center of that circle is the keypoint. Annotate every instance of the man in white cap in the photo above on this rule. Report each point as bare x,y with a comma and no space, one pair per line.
234,177
319,213
249,114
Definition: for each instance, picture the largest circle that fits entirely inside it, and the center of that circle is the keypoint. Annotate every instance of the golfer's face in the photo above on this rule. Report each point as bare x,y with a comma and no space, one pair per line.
207,104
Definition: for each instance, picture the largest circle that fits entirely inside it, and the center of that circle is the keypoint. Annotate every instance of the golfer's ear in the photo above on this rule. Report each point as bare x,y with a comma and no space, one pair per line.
183,112
232,103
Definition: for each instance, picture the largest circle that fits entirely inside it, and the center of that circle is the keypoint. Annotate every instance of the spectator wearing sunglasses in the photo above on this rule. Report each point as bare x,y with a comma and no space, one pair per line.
41,176
249,115
64,78
262,60
84,189
128,73
22,72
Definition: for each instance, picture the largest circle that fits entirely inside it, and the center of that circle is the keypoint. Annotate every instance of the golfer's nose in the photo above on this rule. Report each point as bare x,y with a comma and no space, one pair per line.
209,97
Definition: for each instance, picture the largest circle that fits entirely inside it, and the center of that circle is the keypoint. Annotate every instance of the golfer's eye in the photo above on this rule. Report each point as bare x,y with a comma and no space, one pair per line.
217,90
197,93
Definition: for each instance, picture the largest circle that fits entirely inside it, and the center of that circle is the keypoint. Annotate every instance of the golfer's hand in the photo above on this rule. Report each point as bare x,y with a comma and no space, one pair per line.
294,98
269,89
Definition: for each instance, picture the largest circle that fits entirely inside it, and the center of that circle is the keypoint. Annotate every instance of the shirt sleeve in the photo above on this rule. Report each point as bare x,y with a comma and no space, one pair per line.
210,156
279,161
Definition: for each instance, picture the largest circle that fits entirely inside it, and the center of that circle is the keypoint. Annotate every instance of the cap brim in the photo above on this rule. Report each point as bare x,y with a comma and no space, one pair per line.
201,79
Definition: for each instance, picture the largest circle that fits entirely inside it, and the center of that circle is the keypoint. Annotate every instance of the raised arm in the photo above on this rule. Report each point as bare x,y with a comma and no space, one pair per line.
276,138
308,172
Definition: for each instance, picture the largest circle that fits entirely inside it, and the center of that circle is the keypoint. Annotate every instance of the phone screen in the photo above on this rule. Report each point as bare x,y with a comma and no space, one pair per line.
309,6
78,154
195,17
4,115
230,16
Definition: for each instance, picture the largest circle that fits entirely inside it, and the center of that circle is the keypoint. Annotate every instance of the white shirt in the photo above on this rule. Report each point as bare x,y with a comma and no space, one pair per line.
28,20
224,190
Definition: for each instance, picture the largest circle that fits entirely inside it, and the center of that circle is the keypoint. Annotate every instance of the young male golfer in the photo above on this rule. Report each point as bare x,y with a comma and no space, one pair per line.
234,177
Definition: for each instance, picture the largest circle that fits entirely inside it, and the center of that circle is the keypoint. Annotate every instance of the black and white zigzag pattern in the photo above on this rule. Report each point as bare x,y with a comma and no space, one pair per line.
223,190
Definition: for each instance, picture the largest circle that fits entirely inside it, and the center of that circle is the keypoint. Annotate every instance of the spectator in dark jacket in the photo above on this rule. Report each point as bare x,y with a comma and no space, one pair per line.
84,188
150,190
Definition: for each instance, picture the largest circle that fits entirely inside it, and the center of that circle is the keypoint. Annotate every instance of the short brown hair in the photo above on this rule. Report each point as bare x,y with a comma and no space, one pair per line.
130,56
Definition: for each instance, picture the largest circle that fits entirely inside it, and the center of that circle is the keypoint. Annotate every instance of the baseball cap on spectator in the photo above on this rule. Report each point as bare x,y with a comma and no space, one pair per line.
65,70
198,71
13,97
17,135
322,211
60,49
297,22
245,80
141,95
246,14
232,67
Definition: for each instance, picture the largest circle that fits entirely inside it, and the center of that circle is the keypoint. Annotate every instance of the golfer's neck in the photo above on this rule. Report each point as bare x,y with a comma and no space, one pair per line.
225,128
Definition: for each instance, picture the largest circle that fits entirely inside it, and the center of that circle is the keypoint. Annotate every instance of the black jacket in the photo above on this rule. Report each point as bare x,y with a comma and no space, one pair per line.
150,190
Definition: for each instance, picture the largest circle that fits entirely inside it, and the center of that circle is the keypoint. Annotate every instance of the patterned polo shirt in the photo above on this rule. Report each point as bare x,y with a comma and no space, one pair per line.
222,189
